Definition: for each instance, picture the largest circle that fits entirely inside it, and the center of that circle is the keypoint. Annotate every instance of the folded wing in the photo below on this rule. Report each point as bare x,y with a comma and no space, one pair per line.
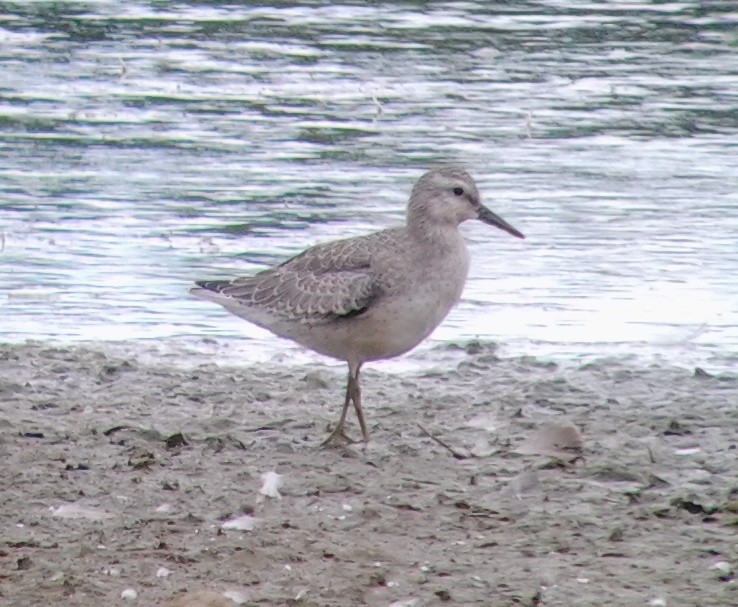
325,282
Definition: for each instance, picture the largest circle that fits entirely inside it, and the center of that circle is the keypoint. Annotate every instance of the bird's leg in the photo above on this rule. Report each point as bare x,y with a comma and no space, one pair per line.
338,431
356,399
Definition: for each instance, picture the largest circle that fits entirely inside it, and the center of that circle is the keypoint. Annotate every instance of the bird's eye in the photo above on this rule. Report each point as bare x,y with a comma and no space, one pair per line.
458,191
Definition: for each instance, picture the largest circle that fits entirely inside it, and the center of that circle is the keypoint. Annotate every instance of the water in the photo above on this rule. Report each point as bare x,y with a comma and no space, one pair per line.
143,145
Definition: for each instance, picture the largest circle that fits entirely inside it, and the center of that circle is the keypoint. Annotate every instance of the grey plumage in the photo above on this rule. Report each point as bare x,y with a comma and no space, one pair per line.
369,297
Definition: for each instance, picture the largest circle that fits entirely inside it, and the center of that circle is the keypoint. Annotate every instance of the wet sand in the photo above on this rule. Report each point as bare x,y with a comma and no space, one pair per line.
118,475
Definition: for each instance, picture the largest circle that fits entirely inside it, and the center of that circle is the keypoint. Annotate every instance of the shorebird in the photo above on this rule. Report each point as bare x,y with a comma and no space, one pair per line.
369,297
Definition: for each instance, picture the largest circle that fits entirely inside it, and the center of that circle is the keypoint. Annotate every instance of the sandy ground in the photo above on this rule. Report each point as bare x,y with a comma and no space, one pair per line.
118,476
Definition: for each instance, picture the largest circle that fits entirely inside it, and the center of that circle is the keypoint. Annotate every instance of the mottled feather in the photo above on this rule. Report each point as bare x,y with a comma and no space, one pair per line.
326,281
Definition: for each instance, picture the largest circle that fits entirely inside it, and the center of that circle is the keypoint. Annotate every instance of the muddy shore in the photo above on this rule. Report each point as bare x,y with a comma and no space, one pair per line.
119,474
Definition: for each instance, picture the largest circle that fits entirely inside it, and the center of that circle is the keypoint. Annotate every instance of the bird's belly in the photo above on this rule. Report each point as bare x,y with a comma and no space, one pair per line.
398,326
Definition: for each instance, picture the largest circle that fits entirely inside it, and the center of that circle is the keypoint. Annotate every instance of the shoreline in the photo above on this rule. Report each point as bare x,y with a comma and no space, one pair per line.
189,351
117,468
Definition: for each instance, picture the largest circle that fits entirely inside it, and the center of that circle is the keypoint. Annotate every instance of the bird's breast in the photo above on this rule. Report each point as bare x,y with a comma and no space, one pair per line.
417,304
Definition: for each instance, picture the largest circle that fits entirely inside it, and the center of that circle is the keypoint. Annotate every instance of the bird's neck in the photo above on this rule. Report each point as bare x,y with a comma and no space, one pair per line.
442,237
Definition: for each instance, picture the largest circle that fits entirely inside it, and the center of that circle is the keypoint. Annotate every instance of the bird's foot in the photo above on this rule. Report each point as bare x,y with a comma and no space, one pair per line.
339,437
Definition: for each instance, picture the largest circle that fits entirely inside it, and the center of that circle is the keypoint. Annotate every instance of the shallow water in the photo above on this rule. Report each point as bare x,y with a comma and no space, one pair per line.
143,145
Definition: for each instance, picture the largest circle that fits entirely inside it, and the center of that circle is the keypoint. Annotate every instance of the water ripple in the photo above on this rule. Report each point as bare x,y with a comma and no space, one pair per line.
144,145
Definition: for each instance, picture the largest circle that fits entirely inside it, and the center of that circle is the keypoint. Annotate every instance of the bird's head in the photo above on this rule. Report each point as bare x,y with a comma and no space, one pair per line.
448,195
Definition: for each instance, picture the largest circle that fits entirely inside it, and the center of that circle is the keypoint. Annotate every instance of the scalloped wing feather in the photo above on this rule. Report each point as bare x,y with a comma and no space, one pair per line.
327,280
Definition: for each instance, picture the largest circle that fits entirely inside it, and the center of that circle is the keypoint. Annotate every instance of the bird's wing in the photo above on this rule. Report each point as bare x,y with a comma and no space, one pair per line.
299,296
326,281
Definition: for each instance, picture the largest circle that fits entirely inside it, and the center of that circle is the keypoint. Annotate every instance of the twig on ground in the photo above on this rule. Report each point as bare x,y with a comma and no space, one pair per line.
455,452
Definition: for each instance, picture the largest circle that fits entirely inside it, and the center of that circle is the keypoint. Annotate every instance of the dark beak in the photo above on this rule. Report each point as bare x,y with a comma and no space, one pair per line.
490,218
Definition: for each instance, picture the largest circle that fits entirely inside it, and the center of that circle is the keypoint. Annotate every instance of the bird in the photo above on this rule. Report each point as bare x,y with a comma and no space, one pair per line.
370,297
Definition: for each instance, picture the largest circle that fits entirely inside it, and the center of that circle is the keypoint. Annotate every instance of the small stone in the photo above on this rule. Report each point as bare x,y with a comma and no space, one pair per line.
443,594
176,440
129,594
